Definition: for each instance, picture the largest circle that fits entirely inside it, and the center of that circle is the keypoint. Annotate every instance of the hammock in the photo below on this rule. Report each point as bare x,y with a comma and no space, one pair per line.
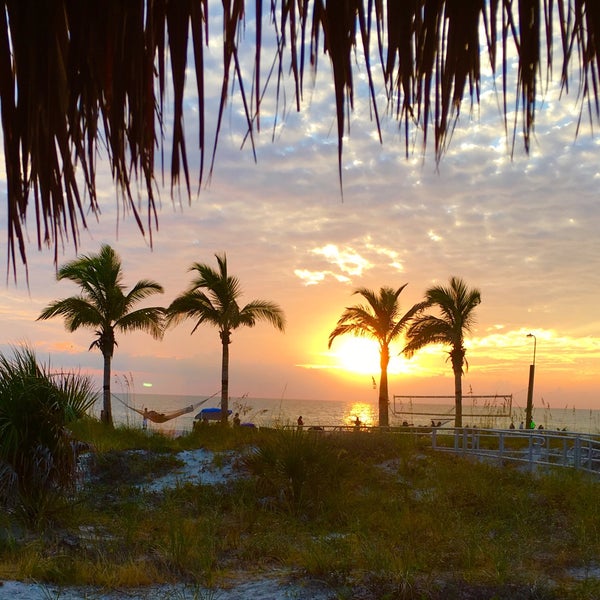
163,417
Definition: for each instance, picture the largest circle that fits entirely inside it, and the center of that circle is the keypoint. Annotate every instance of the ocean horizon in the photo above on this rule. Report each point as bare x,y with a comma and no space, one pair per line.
272,412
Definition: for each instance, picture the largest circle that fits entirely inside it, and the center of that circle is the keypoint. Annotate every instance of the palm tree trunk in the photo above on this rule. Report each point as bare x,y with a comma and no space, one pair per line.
458,358
458,397
384,360
107,406
225,379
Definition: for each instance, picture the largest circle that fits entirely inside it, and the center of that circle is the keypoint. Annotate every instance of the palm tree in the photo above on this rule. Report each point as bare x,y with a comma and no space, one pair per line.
104,306
109,62
456,304
218,306
380,320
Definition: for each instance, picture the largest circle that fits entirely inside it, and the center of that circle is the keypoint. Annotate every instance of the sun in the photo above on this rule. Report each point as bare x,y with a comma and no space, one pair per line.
357,355
360,356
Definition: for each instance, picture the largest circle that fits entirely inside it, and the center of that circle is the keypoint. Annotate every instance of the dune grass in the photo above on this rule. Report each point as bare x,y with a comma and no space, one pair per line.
374,515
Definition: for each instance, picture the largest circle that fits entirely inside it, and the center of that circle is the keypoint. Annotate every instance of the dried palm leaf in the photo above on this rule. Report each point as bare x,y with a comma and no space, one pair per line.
76,76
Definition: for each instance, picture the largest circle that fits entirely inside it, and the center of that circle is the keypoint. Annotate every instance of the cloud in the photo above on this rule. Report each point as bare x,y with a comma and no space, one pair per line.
524,230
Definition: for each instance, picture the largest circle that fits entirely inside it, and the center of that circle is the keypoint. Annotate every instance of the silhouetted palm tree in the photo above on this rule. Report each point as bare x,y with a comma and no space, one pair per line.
382,321
76,73
218,306
456,304
104,306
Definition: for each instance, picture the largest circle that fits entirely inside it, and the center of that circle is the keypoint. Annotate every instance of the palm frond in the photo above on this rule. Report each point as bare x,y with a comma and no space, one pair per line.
262,310
424,331
149,320
381,319
142,289
193,305
212,298
76,75
76,311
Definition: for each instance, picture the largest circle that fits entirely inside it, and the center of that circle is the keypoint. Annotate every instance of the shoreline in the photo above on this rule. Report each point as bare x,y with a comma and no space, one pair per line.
271,412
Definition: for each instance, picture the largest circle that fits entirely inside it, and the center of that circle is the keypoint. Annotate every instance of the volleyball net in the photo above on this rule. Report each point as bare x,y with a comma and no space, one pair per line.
443,407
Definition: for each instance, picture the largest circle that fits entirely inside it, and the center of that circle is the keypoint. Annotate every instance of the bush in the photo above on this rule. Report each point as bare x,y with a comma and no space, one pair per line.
37,452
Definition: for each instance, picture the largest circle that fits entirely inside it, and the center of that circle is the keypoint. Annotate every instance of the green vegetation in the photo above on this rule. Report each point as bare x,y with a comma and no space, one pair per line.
373,515
37,451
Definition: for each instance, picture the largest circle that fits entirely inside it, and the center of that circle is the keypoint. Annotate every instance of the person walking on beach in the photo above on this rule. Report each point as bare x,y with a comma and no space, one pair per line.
236,420
300,423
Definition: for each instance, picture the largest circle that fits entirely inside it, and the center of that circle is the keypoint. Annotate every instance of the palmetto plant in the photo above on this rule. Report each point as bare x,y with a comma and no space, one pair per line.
105,307
37,451
218,306
382,320
456,304
76,73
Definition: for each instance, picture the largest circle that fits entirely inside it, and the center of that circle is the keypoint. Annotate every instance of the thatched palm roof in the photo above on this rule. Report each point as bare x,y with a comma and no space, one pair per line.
75,76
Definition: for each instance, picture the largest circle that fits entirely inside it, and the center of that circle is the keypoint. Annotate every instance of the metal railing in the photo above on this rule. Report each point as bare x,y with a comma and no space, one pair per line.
534,449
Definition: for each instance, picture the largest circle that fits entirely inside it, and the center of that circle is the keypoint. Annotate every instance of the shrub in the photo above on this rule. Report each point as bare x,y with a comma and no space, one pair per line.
37,452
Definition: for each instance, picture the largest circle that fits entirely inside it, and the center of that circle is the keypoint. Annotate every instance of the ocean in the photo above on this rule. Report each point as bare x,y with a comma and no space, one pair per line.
270,412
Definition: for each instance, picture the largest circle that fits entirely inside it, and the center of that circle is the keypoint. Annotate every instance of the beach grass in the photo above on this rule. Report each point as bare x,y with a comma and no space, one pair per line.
372,515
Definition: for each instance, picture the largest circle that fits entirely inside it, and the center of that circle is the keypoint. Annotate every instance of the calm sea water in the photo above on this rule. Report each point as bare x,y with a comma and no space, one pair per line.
269,412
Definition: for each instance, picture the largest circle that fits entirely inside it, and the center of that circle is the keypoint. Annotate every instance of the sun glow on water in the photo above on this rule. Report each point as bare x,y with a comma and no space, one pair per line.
364,412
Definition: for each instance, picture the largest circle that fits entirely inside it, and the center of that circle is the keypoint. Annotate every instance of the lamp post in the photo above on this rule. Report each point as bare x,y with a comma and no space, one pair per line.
529,409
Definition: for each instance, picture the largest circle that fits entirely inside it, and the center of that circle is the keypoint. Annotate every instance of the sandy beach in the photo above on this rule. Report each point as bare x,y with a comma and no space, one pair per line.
261,588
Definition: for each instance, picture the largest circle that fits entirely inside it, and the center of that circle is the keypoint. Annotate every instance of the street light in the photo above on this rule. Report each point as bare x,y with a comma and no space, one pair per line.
528,417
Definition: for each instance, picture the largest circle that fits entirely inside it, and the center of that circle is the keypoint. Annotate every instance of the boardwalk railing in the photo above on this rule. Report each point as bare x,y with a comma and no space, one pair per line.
534,449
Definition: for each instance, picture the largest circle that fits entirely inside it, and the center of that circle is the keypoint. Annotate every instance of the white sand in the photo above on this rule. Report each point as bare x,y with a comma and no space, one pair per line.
198,467
256,589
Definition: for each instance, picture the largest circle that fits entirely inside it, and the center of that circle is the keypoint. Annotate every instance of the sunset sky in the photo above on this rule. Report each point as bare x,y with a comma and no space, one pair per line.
524,231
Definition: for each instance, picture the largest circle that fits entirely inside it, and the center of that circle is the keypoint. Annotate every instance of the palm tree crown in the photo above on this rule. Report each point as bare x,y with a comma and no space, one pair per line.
218,306
456,303
105,307
380,319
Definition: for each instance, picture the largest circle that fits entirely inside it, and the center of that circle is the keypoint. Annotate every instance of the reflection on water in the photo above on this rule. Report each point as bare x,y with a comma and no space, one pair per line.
364,412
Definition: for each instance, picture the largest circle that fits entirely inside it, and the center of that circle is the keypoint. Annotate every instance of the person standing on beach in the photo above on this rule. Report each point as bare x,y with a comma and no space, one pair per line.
300,423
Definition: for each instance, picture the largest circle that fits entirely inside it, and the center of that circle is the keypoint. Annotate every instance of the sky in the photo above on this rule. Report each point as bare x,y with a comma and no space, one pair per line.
524,231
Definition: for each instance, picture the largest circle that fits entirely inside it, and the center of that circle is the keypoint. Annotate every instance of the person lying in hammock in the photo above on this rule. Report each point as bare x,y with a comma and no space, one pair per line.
157,417
162,417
